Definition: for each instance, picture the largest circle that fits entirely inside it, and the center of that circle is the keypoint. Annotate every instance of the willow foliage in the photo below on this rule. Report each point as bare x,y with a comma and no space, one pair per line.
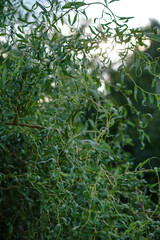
65,170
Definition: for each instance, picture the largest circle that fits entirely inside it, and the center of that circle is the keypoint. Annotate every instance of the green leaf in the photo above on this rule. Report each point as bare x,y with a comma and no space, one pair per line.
56,28
140,165
21,46
142,55
67,5
62,21
114,1
92,123
65,174
131,123
151,98
144,98
3,34
92,31
149,115
75,18
73,5
22,20
153,37
42,7
48,20
158,101
27,9
69,19
20,36
4,73
22,39
156,171
135,93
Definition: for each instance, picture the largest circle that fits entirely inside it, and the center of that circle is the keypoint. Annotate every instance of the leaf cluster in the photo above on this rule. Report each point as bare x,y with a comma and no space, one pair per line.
65,172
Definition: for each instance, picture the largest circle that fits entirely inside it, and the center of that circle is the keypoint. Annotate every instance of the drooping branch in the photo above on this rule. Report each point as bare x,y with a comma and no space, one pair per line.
25,125
32,126
57,20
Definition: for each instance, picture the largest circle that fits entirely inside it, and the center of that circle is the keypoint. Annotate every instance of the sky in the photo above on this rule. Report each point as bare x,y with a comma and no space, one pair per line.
141,10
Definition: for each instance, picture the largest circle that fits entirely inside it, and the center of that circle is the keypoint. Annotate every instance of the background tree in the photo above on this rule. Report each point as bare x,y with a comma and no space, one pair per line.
149,81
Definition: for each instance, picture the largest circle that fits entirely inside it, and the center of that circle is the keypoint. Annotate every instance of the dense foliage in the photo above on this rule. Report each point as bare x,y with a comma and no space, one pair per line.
66,172
144,78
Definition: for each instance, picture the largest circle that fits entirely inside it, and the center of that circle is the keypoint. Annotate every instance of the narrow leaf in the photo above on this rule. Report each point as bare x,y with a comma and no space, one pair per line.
140,165
156,171
92,31
144,99
23,6
73,4
74,20
153,37
135,93
43,8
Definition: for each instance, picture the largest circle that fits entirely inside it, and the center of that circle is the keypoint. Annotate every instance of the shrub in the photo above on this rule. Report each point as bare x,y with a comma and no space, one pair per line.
65,173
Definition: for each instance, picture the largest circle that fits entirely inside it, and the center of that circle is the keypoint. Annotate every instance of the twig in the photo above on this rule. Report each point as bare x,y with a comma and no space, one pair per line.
25,125
106,176
32,126
139,202
57,20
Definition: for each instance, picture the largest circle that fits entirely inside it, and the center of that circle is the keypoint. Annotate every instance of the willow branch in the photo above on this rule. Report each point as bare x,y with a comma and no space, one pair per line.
25,125
32,126
52,25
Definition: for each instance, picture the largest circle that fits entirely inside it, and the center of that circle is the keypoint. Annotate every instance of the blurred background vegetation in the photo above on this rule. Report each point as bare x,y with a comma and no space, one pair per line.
150,83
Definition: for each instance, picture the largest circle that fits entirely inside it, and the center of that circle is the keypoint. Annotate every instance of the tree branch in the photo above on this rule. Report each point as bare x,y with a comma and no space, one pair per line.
25,125
32,126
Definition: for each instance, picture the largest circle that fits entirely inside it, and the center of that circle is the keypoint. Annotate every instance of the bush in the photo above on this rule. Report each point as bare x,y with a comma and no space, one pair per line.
65,171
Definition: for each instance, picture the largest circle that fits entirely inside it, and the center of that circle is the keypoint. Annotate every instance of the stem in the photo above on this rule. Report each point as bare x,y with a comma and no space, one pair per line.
25,125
